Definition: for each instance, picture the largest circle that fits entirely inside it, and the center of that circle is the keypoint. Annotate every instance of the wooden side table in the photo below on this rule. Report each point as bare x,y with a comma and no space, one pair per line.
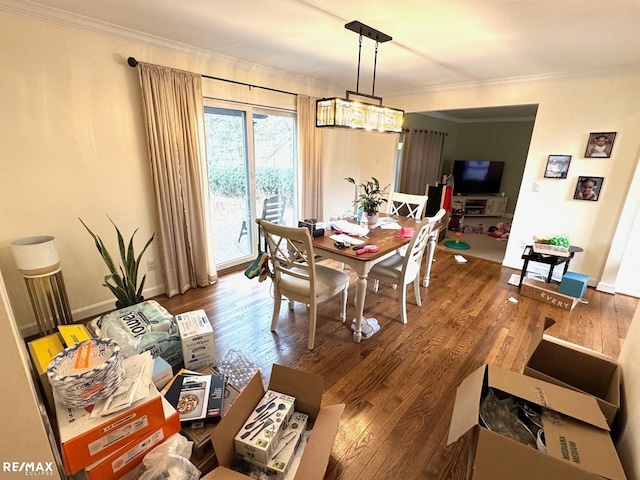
552,260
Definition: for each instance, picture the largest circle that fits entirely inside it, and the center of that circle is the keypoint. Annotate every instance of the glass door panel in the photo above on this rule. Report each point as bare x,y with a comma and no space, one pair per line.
229,192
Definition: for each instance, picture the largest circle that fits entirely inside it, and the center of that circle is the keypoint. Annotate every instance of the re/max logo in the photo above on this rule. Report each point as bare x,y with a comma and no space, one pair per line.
29,468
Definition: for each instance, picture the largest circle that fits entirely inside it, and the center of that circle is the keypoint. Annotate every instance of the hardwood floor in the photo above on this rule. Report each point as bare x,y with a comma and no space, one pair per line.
399,385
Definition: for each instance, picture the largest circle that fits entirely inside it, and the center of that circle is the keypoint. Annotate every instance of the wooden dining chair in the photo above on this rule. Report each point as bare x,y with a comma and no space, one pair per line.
296,275
405,269
407,205
272,211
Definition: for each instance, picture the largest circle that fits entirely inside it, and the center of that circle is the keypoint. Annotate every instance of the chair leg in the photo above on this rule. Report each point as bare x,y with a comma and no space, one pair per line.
345,294
312,325
416,290
403,303
277,298
291,304
376,283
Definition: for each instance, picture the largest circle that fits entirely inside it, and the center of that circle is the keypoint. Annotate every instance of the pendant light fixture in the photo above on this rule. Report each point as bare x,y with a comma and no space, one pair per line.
364,113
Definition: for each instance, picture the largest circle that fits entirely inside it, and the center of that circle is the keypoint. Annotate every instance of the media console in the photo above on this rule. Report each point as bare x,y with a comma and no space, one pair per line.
480,205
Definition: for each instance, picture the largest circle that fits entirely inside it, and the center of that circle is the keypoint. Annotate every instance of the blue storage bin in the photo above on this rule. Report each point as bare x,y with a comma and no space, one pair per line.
573,284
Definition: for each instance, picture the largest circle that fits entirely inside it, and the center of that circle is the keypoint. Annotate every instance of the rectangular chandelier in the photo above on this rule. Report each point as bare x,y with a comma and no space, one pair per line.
344,112
348,113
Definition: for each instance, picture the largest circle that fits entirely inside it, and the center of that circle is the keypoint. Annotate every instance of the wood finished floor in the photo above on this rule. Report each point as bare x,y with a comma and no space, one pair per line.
399,385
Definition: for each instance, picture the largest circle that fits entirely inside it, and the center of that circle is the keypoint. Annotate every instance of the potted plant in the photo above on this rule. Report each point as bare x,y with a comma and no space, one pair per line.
123,280
370,197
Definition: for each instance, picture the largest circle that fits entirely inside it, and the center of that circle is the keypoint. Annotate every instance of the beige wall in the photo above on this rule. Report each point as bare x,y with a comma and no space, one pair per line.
25,426
565,117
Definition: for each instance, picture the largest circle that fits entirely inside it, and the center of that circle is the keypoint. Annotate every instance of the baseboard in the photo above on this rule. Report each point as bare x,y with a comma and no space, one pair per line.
606,287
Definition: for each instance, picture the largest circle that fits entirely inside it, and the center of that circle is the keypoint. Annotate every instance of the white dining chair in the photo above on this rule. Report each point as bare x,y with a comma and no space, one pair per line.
407,205
405,269
296,275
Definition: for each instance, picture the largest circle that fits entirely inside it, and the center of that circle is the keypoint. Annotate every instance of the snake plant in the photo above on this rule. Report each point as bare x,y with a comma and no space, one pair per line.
123,279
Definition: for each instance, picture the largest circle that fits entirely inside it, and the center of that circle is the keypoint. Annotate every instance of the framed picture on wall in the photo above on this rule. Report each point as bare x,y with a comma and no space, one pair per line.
600,145
588,188
557,166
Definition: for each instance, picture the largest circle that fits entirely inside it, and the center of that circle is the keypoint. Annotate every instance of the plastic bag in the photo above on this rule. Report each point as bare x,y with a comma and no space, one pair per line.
170,460
141,327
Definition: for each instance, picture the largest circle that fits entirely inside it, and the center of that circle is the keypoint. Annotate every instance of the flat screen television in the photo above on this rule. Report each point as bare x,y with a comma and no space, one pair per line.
477,176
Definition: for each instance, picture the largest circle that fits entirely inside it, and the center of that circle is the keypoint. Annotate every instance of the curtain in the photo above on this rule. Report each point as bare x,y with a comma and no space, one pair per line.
175,131
421,160
310,148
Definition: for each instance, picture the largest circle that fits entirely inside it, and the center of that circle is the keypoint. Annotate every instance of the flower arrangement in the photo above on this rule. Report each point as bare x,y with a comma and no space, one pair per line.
370,195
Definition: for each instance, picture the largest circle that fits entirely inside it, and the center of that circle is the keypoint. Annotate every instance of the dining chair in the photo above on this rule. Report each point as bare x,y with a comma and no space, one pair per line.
404,269
407,205
296,275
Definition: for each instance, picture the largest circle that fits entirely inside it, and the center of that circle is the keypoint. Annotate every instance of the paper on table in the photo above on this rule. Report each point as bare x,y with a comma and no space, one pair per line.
349,228
345,238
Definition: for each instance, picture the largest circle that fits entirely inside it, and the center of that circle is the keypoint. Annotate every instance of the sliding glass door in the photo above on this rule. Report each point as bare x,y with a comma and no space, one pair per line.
251,157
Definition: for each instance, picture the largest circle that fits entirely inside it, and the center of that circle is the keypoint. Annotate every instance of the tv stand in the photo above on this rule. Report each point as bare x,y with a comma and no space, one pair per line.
480,205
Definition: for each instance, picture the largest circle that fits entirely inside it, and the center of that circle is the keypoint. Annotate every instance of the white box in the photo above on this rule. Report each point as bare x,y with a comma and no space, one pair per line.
198,346
162,372
283,455
259,436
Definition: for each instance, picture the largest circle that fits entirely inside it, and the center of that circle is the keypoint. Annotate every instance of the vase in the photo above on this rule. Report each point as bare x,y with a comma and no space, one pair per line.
373,219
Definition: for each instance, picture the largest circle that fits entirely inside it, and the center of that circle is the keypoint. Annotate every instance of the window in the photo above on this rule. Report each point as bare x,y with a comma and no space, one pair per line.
251,155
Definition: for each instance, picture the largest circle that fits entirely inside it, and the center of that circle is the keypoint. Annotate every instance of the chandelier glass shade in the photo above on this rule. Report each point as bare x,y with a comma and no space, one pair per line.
360,114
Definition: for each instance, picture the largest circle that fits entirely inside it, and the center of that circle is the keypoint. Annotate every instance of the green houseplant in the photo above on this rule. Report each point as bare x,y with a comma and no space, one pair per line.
122,280
370,197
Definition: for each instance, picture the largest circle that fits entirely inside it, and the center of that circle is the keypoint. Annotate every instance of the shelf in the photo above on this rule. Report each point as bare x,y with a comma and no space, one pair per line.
480,205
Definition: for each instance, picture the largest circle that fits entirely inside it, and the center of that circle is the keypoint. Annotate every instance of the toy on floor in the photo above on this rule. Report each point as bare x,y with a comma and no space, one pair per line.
500,231
457,244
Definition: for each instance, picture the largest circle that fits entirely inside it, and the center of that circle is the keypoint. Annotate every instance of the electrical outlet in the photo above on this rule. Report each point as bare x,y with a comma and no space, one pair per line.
535,187
151,265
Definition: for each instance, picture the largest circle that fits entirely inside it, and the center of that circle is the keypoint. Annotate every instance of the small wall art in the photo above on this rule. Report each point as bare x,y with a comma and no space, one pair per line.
557,166
600,145
588,188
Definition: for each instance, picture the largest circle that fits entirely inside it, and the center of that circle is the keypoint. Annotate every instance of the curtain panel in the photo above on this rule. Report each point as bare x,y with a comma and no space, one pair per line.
421,160
174,120
310,153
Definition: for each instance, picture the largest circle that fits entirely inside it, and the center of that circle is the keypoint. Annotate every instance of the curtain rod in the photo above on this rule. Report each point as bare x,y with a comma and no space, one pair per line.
133,63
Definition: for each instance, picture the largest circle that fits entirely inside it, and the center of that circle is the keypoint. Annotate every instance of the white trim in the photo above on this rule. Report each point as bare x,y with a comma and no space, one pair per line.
606,288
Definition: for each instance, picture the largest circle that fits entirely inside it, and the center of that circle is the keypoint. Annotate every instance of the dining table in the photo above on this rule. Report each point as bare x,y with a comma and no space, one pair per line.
386,239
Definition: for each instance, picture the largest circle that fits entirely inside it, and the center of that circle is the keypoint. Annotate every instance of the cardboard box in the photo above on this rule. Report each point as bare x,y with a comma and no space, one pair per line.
130,456
198,398
578,442
198,346
85,440
74,333
547,293
578,368
307,389
259,437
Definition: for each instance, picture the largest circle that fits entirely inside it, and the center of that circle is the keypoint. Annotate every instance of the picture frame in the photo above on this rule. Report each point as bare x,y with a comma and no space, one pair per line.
557,166
600,145
588,188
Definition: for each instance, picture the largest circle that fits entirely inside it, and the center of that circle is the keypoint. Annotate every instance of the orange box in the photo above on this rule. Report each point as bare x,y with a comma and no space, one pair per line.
86,440
130,456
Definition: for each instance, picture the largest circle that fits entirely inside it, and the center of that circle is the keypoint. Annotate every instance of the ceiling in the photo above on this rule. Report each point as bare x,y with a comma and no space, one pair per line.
435,44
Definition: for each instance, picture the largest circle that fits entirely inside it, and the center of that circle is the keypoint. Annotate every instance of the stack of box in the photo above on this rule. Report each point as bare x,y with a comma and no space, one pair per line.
196,334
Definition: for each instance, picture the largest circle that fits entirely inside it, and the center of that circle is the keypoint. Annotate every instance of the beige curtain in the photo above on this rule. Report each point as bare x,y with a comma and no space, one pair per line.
175,128
421,160
310,148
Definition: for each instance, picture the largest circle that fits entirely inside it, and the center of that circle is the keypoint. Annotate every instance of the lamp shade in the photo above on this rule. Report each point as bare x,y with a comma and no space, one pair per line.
36,256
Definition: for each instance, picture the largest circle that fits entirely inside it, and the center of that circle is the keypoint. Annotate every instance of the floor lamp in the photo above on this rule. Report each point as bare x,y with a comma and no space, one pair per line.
38,261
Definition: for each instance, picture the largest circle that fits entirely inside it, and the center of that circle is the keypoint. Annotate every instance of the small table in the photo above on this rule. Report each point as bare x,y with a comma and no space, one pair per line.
552,260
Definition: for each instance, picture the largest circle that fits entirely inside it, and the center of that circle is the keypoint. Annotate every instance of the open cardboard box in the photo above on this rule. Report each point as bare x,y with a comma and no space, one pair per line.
578,368
307,389
547,293
578,442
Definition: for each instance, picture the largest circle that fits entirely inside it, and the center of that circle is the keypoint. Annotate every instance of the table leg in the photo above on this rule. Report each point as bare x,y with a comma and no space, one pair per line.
551,267
361,291
431,248
524,271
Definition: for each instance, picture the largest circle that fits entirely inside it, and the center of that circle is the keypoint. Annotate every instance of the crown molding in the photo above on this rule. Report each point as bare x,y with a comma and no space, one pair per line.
444,116
60,17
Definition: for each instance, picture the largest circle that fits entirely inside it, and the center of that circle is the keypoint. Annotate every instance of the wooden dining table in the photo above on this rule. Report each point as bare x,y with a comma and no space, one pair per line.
387,242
